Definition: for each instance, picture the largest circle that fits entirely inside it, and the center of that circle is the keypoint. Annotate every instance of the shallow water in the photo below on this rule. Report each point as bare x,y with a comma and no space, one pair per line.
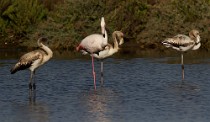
136,89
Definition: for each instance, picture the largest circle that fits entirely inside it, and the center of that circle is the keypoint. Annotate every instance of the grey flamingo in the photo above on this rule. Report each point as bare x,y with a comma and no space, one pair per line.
33,60
110,49
184,43
93,44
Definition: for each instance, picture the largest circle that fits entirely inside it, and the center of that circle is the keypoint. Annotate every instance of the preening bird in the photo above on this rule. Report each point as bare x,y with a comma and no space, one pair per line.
110,49
33,60
93,44
184,43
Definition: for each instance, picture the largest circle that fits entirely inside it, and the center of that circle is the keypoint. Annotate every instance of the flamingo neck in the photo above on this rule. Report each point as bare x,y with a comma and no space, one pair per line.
195,38
116,45
198,39
197,43
47,50
105,38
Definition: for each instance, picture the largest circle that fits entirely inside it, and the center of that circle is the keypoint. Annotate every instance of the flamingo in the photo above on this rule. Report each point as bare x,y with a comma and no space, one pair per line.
110,49
184,43
93,44
33,60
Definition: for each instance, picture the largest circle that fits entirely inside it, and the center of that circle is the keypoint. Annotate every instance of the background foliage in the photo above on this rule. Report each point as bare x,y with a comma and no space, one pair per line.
66,22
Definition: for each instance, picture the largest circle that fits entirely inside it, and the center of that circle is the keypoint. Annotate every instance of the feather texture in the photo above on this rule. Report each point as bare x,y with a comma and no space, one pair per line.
182,42
33,59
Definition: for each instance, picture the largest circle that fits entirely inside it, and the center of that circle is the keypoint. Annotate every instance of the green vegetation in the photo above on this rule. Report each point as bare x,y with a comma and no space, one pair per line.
17,16
66,22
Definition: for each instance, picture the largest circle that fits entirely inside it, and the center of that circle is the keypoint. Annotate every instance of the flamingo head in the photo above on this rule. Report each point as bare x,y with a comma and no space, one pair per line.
78,48
194,34
42,40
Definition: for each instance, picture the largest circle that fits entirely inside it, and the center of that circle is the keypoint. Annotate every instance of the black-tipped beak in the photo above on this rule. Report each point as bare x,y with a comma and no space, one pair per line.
127,38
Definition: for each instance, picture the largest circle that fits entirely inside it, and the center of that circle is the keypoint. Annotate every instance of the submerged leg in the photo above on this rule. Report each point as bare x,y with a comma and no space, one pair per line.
182,62
31,81
30,85
34,96
34,82
94,74
102,73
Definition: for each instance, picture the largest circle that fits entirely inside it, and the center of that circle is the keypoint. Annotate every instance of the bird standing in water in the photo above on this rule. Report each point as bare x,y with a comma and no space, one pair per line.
93,44
184,43
33,60
110,49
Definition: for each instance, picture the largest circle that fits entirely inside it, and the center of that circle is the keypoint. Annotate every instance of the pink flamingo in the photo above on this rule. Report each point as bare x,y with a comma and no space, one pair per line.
93,44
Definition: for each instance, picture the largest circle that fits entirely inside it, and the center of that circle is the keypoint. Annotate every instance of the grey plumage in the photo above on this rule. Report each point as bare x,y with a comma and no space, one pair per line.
184,43
33,60
28,59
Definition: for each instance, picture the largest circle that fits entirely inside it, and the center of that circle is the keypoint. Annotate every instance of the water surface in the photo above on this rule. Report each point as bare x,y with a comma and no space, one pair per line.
136,88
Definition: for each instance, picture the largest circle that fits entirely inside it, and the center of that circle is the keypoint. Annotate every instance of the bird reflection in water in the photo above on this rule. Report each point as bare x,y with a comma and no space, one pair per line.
30,112
98,103
32,61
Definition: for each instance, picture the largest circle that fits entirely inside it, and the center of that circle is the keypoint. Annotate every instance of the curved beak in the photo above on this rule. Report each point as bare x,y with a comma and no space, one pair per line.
127,38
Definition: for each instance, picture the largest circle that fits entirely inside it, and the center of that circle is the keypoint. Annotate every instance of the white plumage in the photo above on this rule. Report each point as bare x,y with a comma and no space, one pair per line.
184,43
33,60
93,44
110,49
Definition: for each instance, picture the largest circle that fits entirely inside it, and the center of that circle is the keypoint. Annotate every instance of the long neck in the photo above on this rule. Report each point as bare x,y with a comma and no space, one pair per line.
46,49
105,38
196,38
114,37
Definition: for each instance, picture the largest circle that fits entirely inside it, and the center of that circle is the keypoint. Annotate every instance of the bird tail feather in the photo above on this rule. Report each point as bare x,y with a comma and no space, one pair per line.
19,66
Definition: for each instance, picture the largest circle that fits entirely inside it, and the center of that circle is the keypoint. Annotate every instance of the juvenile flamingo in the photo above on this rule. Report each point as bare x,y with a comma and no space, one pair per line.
33,60
110,49
184,43
93,44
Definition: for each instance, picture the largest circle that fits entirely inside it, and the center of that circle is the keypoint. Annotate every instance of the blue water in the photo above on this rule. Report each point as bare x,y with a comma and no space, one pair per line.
139,89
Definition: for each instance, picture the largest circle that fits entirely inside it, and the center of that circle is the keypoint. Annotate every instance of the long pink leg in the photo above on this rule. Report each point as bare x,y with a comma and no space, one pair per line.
94,74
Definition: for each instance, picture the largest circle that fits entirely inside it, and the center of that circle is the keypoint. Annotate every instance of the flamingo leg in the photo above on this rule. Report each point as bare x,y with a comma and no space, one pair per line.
102,74
30,86
34,83
182,62
30,82
94,74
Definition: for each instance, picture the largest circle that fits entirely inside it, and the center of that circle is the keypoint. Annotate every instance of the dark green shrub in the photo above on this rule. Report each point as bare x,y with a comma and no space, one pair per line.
19,15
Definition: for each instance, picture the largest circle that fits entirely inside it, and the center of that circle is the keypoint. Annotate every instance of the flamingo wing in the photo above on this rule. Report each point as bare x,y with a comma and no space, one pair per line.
93,43
26,61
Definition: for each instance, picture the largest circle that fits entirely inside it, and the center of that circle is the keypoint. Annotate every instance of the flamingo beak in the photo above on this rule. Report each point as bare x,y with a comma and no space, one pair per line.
126,38
103,31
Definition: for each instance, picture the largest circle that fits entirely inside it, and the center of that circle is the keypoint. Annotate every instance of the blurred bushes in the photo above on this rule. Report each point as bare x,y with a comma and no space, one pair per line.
66,22
17,16
70,22
171,17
